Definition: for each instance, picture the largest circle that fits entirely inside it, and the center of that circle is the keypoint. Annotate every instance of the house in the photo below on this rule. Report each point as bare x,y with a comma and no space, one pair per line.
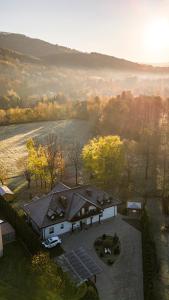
6,193
65,209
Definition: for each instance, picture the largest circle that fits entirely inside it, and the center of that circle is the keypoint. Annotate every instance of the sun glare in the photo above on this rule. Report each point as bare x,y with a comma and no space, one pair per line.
156,37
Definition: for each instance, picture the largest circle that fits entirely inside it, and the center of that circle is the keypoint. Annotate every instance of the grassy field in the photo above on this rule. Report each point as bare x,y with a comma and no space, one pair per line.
13,138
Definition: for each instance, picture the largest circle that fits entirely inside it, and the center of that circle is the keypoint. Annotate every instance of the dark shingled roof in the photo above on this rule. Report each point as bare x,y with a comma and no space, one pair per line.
66,203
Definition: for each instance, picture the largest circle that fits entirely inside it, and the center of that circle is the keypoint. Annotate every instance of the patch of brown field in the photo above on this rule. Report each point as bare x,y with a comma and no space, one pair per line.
13,138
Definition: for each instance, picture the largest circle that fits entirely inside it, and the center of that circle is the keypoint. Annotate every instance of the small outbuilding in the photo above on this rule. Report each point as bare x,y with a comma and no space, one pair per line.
134,208
8,232
6,193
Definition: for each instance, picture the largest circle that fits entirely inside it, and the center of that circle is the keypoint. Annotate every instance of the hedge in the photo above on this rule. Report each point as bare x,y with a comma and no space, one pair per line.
150,264
22,229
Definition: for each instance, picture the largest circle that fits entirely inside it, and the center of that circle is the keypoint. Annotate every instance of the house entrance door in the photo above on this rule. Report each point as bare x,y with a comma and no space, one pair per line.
83,224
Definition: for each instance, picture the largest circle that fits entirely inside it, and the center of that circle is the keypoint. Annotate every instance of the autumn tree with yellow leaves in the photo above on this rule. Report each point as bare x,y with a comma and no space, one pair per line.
103,159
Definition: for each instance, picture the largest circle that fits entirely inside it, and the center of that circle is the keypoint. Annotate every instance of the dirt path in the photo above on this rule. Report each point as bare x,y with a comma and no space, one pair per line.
162,245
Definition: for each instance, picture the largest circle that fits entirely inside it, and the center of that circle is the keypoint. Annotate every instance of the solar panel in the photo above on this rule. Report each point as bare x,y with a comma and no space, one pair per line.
88,261
79,265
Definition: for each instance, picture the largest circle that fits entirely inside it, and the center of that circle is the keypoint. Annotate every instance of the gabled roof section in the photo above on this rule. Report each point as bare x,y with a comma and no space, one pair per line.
59,187
37,209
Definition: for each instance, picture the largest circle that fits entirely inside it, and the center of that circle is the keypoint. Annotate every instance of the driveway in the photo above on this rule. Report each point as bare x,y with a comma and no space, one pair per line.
123,280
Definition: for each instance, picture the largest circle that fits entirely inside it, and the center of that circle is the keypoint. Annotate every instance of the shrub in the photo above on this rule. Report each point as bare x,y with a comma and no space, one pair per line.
110,261
104,236
90,294
108,243
115,239
150,264
117,250
98,242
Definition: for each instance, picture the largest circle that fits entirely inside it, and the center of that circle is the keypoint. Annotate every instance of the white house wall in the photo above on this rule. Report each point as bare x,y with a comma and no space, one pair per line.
67,226
94,220
109,212
57,229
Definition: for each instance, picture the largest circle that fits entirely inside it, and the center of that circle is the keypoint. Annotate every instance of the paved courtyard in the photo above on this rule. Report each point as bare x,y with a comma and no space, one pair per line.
123,280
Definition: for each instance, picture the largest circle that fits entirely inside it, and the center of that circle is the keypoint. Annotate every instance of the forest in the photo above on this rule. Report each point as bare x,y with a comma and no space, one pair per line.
141,123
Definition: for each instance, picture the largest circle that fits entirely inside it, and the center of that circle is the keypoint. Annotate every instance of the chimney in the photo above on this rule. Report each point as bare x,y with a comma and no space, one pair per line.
1,243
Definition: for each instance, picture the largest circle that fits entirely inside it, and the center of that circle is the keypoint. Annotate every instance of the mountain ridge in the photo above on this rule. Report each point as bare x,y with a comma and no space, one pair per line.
54,54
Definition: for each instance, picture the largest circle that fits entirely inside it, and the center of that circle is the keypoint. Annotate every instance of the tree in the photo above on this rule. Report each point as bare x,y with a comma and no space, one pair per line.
23,163
52,283
60,163
37,161
103,159
51,153
130,165
75,158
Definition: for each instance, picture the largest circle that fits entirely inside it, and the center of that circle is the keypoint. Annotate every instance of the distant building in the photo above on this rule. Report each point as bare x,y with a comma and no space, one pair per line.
65,209
8,233
134,208
6,193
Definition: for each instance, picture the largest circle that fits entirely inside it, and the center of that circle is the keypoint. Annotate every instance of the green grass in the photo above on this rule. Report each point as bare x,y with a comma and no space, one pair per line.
16,278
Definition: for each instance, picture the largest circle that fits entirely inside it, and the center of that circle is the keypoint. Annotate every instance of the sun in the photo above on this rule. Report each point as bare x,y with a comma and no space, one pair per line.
156,36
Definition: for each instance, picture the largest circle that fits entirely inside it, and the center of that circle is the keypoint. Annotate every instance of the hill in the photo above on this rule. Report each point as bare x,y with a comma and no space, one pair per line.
29,46
65,57
32,69
10,55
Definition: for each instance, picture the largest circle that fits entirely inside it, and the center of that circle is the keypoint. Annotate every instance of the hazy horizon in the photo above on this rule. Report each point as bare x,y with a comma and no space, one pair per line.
135,30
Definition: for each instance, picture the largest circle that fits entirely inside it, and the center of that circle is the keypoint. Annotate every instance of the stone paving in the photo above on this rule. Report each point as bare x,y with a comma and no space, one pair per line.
123,280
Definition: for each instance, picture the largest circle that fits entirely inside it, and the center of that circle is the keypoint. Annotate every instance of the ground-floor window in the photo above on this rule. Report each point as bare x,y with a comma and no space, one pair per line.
51,230
62,226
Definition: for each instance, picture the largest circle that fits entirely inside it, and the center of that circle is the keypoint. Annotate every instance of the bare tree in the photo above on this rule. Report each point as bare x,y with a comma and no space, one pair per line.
60,162
75,158
22,163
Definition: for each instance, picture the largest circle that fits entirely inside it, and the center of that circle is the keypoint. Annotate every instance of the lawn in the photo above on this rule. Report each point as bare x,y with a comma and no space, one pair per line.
16,278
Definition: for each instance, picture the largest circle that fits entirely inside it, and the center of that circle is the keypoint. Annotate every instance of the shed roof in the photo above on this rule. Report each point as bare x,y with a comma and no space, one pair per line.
134,205
4,190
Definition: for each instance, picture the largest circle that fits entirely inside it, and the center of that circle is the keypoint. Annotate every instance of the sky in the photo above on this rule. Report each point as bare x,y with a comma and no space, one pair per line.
137,30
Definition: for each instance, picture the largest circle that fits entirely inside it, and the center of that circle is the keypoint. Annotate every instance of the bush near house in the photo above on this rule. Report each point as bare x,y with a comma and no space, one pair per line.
23,230
150,265
111,243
